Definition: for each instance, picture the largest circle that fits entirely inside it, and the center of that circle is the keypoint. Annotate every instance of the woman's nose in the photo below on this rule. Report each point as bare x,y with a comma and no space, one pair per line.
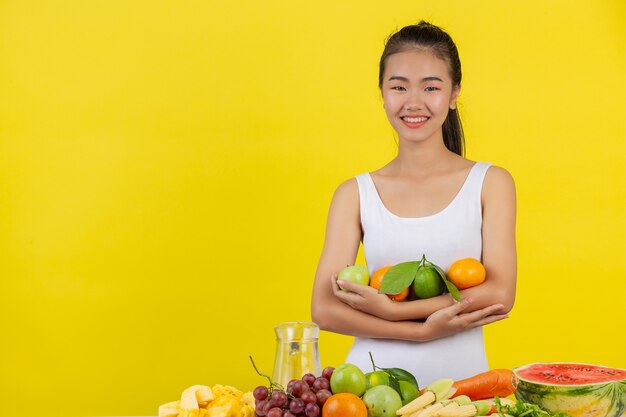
414,101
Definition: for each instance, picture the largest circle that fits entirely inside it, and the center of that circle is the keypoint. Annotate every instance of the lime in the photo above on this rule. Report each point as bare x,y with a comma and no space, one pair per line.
408,392
376,378
427,282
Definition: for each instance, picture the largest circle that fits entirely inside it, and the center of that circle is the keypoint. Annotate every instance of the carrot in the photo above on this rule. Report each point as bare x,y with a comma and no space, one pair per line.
495,382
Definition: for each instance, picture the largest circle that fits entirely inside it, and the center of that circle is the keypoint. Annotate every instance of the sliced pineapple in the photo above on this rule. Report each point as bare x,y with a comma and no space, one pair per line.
170,409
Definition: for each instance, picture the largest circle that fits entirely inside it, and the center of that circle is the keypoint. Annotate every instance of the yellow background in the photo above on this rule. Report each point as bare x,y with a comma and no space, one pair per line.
166,169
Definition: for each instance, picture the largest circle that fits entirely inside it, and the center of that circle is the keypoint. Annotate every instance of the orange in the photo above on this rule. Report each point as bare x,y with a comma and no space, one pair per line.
377,279
344,404
466,273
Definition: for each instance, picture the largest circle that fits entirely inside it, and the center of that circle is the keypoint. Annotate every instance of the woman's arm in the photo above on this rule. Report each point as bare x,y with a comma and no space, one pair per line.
343,235
499,259
341,244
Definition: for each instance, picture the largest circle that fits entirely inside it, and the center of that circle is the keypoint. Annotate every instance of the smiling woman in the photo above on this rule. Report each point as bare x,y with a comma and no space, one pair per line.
166,168
428,200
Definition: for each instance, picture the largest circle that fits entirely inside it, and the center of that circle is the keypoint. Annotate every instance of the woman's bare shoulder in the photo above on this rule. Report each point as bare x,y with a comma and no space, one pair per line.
498,182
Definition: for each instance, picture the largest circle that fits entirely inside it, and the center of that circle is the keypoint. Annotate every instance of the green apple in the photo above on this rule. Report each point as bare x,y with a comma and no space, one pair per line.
348,378
355,273
382,401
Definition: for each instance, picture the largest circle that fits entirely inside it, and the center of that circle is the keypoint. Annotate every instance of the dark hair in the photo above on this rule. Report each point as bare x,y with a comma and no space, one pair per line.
426,35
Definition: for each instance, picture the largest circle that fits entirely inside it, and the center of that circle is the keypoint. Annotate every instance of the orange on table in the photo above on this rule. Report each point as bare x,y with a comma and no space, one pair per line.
467,272
377,280
344,404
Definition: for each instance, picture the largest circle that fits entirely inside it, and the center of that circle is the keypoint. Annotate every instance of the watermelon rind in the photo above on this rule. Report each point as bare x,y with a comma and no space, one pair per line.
598,399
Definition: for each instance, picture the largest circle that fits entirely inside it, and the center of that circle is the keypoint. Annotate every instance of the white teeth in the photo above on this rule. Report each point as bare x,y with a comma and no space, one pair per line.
415,119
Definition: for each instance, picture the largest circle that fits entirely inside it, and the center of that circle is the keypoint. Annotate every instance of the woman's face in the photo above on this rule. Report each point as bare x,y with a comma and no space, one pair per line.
417,94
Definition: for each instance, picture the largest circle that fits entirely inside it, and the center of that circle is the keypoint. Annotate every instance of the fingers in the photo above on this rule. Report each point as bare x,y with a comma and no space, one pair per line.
456,308
354,287
489,319
483,312
484,316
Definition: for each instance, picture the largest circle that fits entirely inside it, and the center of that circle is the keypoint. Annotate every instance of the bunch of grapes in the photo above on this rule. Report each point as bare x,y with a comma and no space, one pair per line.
303,397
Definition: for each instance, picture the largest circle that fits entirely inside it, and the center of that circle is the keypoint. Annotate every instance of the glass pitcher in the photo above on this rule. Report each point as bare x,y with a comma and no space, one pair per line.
296,351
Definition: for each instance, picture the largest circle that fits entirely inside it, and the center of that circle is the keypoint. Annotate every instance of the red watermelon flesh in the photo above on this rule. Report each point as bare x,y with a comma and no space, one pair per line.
580,390
571,373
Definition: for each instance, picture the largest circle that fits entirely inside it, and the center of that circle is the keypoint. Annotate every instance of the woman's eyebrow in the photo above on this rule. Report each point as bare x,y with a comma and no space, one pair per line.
406,80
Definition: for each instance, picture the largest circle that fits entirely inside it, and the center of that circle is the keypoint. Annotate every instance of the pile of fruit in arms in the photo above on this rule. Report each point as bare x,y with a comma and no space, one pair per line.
541,389
418,279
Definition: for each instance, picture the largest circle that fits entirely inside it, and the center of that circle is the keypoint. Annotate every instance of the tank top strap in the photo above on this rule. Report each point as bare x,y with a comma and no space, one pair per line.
368,195
470,194
476,176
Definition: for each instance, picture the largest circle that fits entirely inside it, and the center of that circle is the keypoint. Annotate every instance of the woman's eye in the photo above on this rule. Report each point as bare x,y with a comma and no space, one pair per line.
431,88
398,88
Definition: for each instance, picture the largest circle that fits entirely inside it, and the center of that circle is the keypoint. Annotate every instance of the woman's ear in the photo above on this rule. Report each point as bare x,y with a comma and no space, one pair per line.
455,94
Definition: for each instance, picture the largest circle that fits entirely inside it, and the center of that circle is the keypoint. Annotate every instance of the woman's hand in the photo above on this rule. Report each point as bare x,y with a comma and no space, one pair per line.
363,298
451,320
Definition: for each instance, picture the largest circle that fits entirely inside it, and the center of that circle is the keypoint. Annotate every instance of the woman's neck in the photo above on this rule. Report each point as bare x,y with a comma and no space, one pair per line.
416,159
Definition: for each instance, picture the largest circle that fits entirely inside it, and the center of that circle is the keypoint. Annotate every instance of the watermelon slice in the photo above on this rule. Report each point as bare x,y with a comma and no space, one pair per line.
578,389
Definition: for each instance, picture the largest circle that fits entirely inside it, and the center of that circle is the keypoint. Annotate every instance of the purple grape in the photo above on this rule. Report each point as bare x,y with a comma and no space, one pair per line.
320,384
309,397
309,379
288,413
260,408
275,412
311,410
299,388
322,395
290,385
279,398
328,372
296,406
260,393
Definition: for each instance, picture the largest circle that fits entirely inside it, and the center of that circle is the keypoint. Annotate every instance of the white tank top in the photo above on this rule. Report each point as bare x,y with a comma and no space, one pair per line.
451,234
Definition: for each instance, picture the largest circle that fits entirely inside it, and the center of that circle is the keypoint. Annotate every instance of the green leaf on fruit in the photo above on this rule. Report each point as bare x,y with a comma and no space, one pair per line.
393,383
398,278
454,291
402,375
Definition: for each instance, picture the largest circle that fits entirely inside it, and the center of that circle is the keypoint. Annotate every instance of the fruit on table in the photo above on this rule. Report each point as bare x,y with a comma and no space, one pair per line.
375,378
355,273
399,379
203,401
348,378
408,392
377,280
466,273
441,388
343,405
580,390
305,396
382,401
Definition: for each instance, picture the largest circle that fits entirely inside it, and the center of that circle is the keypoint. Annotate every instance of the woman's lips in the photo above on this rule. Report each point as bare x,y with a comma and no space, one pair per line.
414,121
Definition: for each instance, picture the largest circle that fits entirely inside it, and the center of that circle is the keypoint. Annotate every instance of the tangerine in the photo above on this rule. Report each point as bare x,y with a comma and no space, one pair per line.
466,273
344,404
377,280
